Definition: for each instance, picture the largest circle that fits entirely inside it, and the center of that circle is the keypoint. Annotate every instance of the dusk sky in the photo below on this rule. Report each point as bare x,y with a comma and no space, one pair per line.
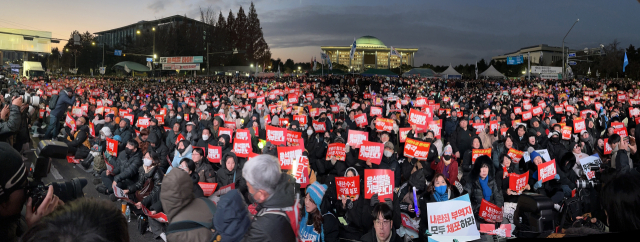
451,31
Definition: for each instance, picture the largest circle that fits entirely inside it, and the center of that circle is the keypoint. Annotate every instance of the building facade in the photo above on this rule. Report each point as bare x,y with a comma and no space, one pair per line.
370,53
549,54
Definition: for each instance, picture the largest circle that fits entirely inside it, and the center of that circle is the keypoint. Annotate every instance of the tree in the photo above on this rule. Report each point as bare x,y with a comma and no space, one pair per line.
242,36
289,64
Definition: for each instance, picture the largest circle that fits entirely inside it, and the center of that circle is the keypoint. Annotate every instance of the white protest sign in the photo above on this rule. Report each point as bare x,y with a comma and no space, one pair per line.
544,153
586,164
452,219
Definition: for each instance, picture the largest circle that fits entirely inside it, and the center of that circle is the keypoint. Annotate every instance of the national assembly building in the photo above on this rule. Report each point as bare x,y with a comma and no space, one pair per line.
370,53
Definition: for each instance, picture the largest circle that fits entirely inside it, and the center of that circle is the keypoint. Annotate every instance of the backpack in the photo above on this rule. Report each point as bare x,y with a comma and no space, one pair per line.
187,225
53,101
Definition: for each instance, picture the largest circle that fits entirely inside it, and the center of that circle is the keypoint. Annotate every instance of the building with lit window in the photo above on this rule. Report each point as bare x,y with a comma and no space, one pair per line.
370,53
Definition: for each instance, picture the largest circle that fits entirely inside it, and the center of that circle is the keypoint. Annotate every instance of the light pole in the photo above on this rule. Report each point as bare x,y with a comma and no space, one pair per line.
94,43
153,54
563,55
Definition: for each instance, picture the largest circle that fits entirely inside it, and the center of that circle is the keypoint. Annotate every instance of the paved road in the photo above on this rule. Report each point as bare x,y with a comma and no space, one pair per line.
62,171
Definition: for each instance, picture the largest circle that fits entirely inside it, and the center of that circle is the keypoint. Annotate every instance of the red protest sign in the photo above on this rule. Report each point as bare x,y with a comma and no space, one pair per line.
242,148
493,126
436,127
226,131
208,188
558,109
371,150
547,171
617,125
475,153
348,187
418,118
302,119
320,127
490,212
355,138
479,127
621,131
570,109
403,134
283,122
301,172
214,154
607,147
288,155
243,134
143,123
375,111
378,181
579,126
518,182
361,120
276,136
421,102
112,147
526,116
292,98
515,155
566,132
536,110
229,124
416,149
293,138
517,110
384,124
160,119
337,150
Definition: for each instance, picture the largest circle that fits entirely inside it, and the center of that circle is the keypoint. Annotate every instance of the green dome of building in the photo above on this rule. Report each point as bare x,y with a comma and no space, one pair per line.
369,41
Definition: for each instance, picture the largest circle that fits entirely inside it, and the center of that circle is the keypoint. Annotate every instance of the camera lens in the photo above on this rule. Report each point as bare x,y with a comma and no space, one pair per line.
69,190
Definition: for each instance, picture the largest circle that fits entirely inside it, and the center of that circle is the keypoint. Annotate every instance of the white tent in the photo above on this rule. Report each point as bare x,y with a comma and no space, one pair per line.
451,73
491,72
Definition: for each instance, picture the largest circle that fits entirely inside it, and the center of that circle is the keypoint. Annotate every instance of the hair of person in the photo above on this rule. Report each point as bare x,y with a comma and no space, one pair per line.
316,218
620,198
144,132
615,138
432,186
190,164
200,151
505,156
85,219
509,137
263,173
133,143
155,159
382,209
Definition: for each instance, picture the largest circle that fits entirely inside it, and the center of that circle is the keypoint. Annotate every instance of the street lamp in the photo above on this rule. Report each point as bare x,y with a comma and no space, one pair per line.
138,32
563,55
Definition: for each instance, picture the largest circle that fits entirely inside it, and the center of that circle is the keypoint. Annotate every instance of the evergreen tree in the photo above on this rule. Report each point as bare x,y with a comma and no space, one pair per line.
241,40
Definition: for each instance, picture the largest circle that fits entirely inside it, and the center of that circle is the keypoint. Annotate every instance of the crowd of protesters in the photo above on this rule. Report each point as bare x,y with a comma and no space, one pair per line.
165,129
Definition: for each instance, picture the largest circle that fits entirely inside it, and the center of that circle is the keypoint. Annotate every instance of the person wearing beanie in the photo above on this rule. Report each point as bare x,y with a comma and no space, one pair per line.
315,226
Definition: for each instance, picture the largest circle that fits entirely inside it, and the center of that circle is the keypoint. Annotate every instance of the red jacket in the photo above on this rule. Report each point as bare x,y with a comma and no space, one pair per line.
453,169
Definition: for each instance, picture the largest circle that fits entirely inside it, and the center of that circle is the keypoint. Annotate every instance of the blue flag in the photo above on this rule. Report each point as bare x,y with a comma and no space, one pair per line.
353,49
626,61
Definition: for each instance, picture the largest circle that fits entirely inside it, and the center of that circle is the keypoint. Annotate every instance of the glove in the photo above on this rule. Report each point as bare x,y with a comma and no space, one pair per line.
537,185
347,148
557,177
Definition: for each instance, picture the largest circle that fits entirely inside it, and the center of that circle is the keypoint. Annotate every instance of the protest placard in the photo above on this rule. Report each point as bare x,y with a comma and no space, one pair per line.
372,151
348,187
452,219
355,138
378,181
416,149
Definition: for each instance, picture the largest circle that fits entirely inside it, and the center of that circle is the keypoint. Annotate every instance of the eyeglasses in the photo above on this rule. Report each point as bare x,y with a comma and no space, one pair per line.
382,223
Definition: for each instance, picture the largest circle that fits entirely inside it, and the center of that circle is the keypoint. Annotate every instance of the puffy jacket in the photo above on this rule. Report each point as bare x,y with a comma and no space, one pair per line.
170,142
264,225
160,149
125,134
64,101
205,171
11,125
126,167
177,157
156,175
475,190
179,204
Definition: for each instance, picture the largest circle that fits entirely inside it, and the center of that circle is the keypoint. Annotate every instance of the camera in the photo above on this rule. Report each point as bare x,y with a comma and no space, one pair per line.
37,190
583,183
18,90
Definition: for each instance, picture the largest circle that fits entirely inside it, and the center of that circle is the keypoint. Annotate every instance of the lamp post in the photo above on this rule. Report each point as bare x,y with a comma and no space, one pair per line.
153,29
563,55
94,43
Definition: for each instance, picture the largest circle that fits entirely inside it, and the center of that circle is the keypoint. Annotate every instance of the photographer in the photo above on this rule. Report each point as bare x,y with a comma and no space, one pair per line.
13,195
10,118
65,99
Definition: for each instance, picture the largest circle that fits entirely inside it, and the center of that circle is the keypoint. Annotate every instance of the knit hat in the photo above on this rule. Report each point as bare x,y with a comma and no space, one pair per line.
106,131
552,133
111,115
534,154
13,172
388,145
317,190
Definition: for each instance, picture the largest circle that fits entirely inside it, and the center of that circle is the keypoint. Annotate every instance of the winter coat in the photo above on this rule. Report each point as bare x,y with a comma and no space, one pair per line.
156,175
80,141
126,167
439,166
224,176
125,134
556,150
496,151
64,101
503,182
179,204
171,140
269,227
160,149
205,171
461,139
371,236
10,126
474,188
177,157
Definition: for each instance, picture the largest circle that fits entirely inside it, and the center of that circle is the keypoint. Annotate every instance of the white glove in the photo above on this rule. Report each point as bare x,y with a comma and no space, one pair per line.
347,148
395,127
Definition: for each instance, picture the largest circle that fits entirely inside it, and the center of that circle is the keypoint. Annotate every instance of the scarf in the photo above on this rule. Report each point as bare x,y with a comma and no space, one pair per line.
440,197
486,191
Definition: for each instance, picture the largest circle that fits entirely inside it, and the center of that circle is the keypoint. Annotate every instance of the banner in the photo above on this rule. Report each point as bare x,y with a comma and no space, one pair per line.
518,182
361,120
181,59
184,67
214,154
436,127
242,148
112,147
479,127
547,170
320,127
515,155
301,171
451,220
243,134
536,110
276,136
160,217
526,116
490,212
607,147
384,124
335,108
621,131
348,187
579,126
566,132
288,155
418,118
119,193
143,122
475,153
337,150
378,181
416,149
589,161
208,188
375,111
293,138
371,150
226,131
355,138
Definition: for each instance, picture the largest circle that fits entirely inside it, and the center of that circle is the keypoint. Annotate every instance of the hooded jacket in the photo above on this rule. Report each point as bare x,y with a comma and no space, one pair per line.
160,149
177,156
179,204
224,176
227,147
124,133
264,225
126,167
474,188
467,163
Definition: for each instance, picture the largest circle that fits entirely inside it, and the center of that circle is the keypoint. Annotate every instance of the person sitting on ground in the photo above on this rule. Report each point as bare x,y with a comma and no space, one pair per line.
78,141
125,169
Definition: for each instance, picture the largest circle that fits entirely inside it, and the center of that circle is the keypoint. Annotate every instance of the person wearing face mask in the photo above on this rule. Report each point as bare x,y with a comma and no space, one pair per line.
438,190
125,169
124,131
157,146
447,165
389,161
183,150
555,146
146,190
483,185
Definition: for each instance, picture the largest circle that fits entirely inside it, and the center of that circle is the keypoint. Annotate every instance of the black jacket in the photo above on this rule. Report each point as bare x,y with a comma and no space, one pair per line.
156,179
225,177
126,167
161,150
474,188
461,139
125,134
